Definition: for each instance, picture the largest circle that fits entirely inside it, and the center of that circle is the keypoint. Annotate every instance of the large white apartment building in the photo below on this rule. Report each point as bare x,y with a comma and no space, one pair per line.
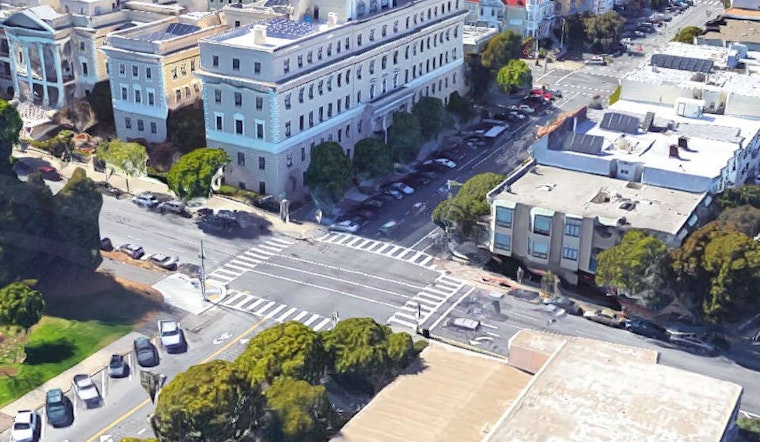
152,68
331,71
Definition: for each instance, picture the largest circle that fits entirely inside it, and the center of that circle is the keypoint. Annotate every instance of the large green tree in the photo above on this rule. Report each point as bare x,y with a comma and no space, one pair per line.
20,305
191,176
746,218
372,157
603,31
718,270
463,210
638,266
303,410
185,128
514,76
128,158
739,196
290,349
459,106
501,49
329,170
10,126
363,350
405,137
687,34
210,402
431,115
77,224
575,29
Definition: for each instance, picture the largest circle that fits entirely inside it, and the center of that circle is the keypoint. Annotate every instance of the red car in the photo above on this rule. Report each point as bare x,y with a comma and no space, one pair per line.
49,173
542,93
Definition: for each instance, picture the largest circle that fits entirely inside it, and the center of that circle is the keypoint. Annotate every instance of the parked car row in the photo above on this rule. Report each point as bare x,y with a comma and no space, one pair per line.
137,252
151,201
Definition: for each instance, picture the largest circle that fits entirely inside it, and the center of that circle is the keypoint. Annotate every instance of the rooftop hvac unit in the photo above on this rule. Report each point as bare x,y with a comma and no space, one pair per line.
260,35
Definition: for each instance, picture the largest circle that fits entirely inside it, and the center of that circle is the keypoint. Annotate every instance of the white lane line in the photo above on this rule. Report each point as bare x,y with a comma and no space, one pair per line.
261,311
406,315
429,234
440,292
363,243
450,309
524,316
489,326
322,324
255,304
493,334
353,244
248,259
270,248
280,308
281,241
381,249
282,317
300,315
403,323
345,239
426,261
237,267
312,319
258,255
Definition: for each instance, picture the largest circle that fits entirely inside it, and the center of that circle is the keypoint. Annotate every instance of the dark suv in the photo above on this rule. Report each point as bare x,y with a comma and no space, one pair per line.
58,409
647,329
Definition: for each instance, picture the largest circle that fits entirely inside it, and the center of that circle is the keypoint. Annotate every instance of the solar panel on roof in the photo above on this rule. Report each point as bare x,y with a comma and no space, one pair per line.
689,64
583,143
620,123
281,27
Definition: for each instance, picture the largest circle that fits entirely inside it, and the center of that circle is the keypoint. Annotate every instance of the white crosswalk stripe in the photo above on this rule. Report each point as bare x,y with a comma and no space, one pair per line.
380,248
426,302
275,311
248,260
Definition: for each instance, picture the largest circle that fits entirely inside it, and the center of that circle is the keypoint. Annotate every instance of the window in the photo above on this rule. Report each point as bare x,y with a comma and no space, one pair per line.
319,54
287,102
300,61
372,35
174,73
573,227
219,122
395,58
140,125
81,46
300,95
183,69
217,95
237,23
235,64
570,253
238,126
321,114
384,31
359,73
84,69
262,163
372,67
259,103
300,123
329,110
124,93
309,58
540,249
303,154
311,91
329,49
138,96
260,130
287,129
502,241
151,99
148,73
238,99
358,40
286,66
311,119
256,67
187,92
348,43
359,97
128,123
372,91
122,69
262,187
177,95
241,159
329,83
319,87
542,224
215,61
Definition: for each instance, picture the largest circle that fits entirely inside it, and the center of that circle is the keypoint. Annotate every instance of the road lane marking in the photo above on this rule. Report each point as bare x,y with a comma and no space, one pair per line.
286,314
275,311
447,312
427,236
134,410
322,324
489,326
300,315
524,316
493,334
313,318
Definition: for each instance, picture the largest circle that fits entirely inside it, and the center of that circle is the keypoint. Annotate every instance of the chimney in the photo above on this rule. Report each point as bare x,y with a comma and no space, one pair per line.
332,19
260,35
674,152
683,143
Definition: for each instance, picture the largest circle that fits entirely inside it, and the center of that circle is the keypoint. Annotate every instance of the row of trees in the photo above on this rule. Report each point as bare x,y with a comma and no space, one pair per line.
502,58
274,390
601,33
461,212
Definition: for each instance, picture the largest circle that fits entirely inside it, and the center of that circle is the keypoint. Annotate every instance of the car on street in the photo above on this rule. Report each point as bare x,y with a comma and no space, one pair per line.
26,427
465,324
416,180
525,108
430,166
58,409
170,335
693,344
117,367
445,162
376,202
173,206
570,306
605,317
164,261
394,193
268,203
49,173
146,199
347,226
132,250
647,328
106,245
366,212
401,187
109,190
217,223
523,294
455,153
146,353
596,60
517,115
86,390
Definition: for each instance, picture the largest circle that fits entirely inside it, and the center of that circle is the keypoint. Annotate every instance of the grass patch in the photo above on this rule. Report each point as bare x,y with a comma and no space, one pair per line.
53,346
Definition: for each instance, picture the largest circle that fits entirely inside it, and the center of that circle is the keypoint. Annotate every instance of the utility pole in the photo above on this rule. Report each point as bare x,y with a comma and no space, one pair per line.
202,256
562,36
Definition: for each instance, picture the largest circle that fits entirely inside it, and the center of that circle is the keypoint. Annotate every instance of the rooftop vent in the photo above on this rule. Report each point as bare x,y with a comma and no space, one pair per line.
259,35
628,205
674,152
332,19
648,120
699,77
601,197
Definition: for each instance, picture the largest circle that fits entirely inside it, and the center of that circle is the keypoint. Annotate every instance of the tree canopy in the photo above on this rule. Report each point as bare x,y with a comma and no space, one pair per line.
329,170
515,75
191,176
603,31
575,29
77,222
20,305
215,401
128,158
501,49
60,146
479,78
185,129
746,218
10,126
739,196
290,349
405,137
470,203
303,410
372,157
459,106
687,34
637,266
431,115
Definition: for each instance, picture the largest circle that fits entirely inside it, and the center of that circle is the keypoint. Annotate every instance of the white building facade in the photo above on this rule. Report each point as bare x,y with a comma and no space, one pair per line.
275,89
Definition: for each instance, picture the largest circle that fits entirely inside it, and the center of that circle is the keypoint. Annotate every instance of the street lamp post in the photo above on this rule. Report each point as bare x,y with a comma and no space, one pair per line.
202,256
562,36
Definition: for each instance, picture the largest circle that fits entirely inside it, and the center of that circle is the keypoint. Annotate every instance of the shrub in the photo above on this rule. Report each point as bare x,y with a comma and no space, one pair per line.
227,190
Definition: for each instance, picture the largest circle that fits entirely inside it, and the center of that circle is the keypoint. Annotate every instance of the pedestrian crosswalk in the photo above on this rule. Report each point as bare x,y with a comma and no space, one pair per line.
426,302
264,308
380,248
247,260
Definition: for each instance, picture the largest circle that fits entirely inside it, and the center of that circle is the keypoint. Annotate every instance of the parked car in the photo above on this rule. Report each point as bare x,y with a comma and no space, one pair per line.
694,344
605,317
401,187
268,203
345,226
455,153
26,427
170,336
431,166
570,306
173,206
366,212
117,367
203,212
597,60
132,250
146,199
394,193
465,324
86,390
49,173
164,261
648,329
146,353
58,409
517,115
525,108
416,180
525,295
376,202
445,162
216,223
106,245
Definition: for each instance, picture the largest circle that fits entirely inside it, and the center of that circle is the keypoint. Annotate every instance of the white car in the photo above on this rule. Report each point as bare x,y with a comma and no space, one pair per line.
164,261
525,108
463,324
401,187
446,162
345,226
145,200
86,390
26,427
517,115
170,335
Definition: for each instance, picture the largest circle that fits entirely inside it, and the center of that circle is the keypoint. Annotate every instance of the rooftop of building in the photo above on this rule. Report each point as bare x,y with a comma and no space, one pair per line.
474,34
173,28
595,391
609,199
737,25
452,395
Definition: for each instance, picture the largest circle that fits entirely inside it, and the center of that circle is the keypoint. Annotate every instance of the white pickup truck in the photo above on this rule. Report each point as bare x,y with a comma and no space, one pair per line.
171,336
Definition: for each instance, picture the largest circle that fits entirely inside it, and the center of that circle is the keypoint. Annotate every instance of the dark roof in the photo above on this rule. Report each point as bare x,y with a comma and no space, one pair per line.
271,3
281,27
620,123
174,30
582,143
682,63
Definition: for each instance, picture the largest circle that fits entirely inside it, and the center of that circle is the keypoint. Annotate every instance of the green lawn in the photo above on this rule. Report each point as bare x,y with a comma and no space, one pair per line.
54,345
